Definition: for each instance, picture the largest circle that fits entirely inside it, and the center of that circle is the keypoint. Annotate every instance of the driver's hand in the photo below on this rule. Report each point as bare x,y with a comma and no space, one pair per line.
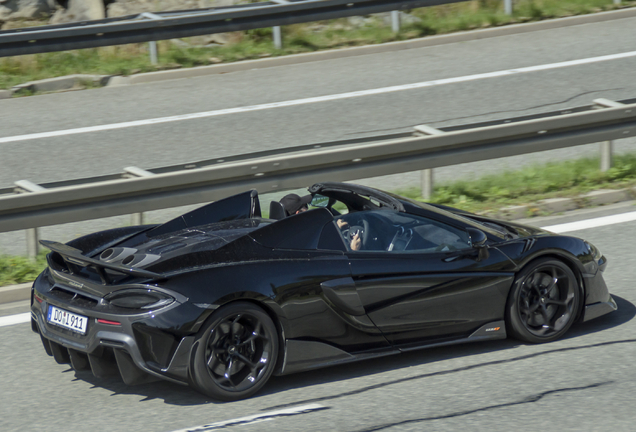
342,224
356,242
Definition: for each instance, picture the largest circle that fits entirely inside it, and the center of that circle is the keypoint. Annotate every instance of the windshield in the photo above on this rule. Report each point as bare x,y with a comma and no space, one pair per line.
487,228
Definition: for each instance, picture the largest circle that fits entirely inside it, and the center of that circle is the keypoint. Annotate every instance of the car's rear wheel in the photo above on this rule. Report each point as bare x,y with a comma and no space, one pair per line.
235,352
543,301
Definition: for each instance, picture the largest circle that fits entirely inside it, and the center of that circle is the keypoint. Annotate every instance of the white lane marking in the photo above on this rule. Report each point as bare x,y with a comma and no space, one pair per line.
257,418
317,99
15,319
592,223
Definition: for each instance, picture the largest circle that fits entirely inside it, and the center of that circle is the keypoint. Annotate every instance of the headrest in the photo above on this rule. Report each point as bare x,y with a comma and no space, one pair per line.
276,210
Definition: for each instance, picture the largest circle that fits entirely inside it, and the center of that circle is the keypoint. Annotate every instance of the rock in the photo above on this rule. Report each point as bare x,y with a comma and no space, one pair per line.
132,7
405,19
79,10
180,43
201,41
359,21
19,9
215,60
385,18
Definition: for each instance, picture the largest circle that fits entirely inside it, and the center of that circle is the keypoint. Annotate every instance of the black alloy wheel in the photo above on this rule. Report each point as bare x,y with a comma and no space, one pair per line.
544,301
235,353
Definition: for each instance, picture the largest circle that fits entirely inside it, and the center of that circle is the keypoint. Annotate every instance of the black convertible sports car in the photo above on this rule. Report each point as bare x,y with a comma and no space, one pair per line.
221,298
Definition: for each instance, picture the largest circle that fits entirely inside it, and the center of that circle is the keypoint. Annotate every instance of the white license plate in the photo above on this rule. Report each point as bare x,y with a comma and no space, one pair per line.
67,319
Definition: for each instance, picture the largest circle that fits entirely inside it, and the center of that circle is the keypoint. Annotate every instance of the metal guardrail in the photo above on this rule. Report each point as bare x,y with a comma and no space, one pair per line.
148,27
210,180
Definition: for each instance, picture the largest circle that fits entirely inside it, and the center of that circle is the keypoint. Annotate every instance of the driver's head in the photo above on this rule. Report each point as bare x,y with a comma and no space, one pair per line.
295,204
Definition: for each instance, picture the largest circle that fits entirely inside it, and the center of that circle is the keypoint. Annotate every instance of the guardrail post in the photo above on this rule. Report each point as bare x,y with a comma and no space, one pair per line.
427,174
607,147
395,21
32,234
131,172
152,45
427,183
606,155
508,7
278,39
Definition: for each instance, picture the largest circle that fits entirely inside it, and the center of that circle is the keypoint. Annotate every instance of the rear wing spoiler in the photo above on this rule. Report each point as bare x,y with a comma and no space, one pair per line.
74,257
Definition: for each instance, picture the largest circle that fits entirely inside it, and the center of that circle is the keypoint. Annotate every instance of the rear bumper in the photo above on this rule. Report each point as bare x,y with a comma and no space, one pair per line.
137,346
109,351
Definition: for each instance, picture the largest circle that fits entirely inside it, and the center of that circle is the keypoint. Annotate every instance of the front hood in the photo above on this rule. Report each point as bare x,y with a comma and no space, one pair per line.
517,230
496,227
204,238
503,229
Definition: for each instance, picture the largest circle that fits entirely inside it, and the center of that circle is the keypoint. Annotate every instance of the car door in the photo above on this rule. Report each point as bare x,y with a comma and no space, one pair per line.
420,280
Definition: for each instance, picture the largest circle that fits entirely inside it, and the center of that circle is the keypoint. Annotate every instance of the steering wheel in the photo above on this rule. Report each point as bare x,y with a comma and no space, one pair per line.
399,232
361,228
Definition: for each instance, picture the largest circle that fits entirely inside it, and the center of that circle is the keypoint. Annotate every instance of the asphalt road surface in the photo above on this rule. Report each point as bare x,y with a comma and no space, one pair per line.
585,382
57,155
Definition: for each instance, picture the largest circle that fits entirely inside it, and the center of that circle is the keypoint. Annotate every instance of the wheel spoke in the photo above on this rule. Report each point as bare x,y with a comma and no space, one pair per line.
228,369
556,302
544,314
253,366
534,282
224,327
227,380
565,302
552,285
561,321
255,335
213,361
543,330
237,328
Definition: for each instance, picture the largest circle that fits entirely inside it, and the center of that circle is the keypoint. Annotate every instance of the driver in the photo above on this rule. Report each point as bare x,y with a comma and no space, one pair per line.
294,204
356,241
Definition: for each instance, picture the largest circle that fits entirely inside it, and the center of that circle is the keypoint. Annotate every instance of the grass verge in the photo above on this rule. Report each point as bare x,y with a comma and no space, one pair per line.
298,38
489,193
534,183
18,269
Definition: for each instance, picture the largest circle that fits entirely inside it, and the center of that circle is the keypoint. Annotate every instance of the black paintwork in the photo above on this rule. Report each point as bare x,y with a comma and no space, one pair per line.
330,304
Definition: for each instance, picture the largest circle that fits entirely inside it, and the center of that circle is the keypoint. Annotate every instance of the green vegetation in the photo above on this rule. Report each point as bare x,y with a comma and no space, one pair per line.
489,193
17,269
534,183
299,38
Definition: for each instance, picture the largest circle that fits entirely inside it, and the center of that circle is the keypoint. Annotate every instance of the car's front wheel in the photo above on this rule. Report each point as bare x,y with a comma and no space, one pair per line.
235,352
543,302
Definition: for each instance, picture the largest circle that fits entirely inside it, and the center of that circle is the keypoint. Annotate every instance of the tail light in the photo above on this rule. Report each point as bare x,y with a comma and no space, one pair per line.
139,298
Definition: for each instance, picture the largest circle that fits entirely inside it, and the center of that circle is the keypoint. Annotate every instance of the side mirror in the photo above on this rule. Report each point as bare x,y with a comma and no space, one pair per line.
478,241
477,237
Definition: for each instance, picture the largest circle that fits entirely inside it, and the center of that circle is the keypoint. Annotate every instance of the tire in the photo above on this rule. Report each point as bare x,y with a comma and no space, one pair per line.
235,352
543,302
